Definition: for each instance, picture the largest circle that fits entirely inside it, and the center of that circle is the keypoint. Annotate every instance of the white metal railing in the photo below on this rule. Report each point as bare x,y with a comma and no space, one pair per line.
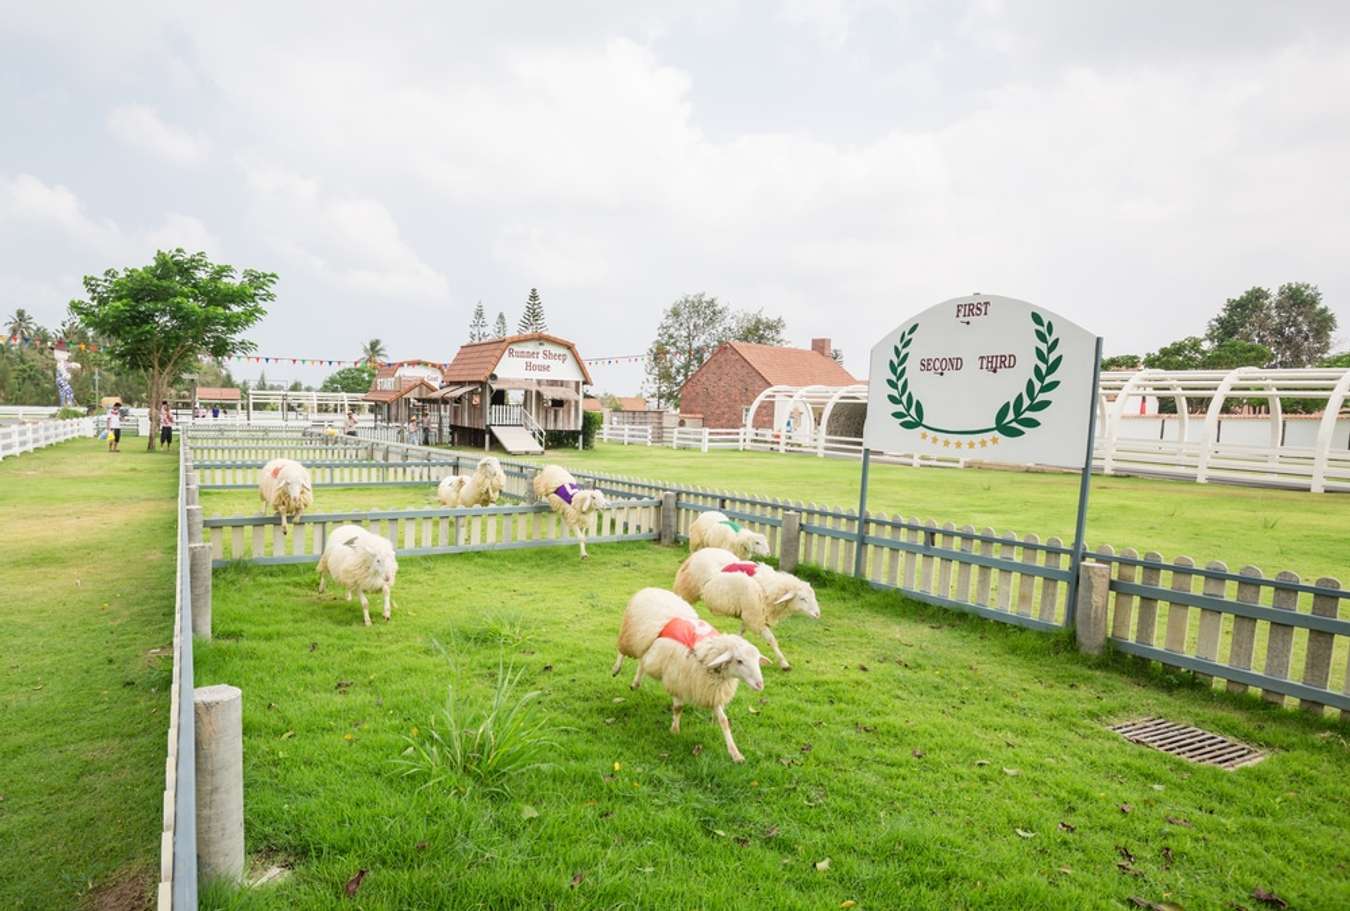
16,439
505,415
627,434
527,420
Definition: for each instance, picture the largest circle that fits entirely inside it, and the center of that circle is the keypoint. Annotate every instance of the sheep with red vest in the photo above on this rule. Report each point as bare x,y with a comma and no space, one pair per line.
285,488
714,529
756,592
555,485
695,663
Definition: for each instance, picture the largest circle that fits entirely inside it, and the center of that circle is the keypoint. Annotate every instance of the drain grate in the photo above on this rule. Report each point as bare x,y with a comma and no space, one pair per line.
1189,743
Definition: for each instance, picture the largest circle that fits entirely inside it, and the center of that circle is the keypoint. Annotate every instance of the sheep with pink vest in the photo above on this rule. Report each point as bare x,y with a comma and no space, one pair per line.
695,663
757,593
714,529
556,486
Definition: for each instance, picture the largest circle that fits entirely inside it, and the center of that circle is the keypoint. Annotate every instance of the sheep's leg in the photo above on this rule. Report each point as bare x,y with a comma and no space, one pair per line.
386,603
725,723
637,678
581,538
322,580
773,644
677,709
365,608
284,529
618,665
349,594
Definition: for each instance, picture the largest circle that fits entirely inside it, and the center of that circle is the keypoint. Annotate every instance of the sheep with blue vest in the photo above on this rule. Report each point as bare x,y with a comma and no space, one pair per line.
715,529
556,486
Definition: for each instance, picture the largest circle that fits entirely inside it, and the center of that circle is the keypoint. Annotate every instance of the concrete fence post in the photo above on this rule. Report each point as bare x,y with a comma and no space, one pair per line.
199,568
790,546
705,439
219,718
191,495
1094,583
668,518
194,524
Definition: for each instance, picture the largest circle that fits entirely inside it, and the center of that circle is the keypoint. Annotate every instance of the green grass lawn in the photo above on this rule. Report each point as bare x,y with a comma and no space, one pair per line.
86,620
935,760
1272,529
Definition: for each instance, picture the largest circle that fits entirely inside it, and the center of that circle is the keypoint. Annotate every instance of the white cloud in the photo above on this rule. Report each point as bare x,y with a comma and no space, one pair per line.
141,127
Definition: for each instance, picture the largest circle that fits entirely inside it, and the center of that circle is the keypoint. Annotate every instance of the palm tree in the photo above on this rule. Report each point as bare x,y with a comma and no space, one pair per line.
21,324
373,350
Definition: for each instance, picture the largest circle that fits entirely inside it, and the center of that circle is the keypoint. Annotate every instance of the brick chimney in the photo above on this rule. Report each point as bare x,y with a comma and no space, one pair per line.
821,346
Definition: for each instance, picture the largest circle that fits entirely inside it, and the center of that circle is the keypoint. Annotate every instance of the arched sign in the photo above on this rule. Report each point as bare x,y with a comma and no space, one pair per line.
538,360
984,377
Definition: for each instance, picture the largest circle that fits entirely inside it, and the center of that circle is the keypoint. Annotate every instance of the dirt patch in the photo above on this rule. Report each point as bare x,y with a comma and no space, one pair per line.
129,889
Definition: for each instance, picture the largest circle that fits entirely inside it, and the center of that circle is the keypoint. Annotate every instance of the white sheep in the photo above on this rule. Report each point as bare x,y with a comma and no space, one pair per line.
714,529
705,675
646,615
556,485
359,561
285,488
478,489
760,596
698,568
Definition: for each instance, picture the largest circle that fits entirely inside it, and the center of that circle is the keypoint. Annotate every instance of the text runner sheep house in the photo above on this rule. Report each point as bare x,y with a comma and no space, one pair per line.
517,391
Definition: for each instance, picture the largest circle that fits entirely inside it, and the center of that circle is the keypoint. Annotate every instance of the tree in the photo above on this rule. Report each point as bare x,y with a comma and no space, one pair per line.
746,326
690,330
1243,317
349,379
1186,354
532,320
1337,360
837,355
162,317
1300,327
1121,362
373,350
499,330
21,325
478,324
1235,353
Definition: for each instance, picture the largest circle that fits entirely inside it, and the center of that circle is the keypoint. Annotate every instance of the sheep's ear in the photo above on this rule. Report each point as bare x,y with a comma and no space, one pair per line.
719,660
352,543
763,660
785,597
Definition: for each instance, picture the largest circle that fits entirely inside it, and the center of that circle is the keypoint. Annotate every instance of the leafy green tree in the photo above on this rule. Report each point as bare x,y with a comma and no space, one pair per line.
349,379
373,350
690,331
499,330
1337,360
478,324
163,317
21,325
1244,317
1185,354
746,326
532,320
1122,362
1300,328
1235,353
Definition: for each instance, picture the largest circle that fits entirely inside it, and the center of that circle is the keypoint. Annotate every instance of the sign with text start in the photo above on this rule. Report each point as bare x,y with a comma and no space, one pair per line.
983,377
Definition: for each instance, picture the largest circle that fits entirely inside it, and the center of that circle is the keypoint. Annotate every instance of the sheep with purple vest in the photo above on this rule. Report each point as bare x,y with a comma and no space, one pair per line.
559,489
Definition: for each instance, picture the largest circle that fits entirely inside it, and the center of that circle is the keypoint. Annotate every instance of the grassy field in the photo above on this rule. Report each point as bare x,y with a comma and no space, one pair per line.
1274,530
85,626
912,759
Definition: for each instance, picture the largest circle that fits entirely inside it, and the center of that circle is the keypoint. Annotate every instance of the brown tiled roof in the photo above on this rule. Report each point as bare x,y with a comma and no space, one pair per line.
474,362
632,403
591,404
217,394
405,388
792,366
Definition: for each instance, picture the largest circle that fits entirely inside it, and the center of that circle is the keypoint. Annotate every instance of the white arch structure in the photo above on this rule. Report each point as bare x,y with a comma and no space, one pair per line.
1270,449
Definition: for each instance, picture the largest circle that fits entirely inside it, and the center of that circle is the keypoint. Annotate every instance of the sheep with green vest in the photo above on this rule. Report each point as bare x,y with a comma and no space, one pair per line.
714,529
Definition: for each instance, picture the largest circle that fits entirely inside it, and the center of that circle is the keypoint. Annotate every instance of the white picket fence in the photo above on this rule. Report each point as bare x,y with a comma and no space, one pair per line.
16,439
627,434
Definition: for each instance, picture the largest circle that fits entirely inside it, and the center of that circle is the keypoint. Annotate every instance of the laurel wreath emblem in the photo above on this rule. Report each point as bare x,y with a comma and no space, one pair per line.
1014,417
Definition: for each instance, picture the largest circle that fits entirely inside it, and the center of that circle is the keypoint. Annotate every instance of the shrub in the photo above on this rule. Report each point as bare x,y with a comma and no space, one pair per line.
590,426
476,745
67,413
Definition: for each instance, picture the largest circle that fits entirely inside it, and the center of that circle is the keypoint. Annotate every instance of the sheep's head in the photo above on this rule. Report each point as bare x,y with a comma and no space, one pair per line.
491,470
737,657
800,597
380,563
756,545
589,500
294,489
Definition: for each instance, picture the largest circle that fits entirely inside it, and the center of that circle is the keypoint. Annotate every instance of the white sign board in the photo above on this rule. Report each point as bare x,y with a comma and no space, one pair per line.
983,377
538,360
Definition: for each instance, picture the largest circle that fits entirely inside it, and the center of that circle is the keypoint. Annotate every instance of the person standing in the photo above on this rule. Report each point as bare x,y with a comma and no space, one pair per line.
165,425
114,427
349,425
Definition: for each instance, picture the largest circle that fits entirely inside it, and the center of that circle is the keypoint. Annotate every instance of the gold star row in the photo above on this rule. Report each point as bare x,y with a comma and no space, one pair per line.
948,442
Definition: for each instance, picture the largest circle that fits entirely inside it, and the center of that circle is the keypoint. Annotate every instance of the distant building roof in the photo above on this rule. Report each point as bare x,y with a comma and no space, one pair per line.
475,361
634,403
409,386
391,369
792,366
590,404
217,394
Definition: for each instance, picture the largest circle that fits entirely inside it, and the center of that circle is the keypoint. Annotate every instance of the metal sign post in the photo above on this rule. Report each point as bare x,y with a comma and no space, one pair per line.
1084,483
862,512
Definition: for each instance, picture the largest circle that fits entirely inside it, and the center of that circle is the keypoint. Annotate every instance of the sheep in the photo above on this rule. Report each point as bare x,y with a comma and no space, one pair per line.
359,561
698,568
704,674
478,489
284,488
646,615
760,596
714,529
556,485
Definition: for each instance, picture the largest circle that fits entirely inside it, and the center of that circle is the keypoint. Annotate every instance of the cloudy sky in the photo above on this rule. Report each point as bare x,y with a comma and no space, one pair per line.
843,164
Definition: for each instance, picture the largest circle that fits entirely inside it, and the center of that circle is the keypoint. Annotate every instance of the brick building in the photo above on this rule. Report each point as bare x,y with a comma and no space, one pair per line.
723,389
